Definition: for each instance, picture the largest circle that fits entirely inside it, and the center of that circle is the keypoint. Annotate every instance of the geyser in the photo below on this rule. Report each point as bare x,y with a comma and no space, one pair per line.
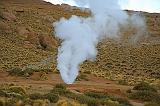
81,35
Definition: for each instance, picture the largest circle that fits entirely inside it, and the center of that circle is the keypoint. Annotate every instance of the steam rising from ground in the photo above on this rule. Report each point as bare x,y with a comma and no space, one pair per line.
80,35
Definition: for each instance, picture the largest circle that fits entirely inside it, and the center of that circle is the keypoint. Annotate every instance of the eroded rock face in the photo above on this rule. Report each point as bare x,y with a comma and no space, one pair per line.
47,42
33,39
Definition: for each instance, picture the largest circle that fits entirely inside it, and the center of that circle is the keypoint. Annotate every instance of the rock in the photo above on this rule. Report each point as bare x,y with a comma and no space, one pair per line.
23,32
33,38
8,16
47,42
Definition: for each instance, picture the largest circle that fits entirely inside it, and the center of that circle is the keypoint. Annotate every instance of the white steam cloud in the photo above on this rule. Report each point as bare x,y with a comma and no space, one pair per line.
80,36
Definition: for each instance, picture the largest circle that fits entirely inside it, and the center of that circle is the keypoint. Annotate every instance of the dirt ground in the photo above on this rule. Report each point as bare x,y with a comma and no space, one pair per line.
36,84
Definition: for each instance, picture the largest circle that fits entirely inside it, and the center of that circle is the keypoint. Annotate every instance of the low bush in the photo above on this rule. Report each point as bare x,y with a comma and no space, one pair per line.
122,101
145,96
144,86
19,72
10,102
27,72
96,95
11,94
36,96
15,72
88,100
151,104
110,103
53,98
61,86
17,89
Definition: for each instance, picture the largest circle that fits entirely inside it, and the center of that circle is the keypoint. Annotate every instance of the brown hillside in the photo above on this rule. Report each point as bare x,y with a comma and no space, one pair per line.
26,38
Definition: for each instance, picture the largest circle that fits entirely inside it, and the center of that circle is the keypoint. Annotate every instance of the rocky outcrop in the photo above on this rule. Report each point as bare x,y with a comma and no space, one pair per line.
47,42
33,39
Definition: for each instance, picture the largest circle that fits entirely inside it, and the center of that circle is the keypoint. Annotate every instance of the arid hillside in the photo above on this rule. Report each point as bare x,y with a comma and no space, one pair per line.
27,40
28,48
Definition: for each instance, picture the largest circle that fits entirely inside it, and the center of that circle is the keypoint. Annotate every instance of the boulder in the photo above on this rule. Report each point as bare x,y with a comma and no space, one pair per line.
33,38
23,32
47,42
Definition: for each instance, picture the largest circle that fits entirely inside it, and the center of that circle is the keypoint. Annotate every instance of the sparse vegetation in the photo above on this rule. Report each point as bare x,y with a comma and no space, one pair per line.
151,104
144,86
90,98
145,96
82,77
60,86
144,91
17,89
53,98
19,72
36,96
27,46
96,95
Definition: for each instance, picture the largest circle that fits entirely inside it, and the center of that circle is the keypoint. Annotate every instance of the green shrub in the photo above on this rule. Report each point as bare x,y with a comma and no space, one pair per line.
96,95
144,86
122,101
145,96
18,90
110,103
36,96
28,101
59,91
6,93
88,100
60,86
15,72
3,93
27,72
15,95
19,72
151,104
10,102
53,98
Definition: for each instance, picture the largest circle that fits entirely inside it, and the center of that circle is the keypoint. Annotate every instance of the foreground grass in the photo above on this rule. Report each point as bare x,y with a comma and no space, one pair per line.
145,92
11,95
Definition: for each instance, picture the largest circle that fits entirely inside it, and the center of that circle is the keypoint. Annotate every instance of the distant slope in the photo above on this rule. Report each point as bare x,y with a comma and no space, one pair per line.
26,37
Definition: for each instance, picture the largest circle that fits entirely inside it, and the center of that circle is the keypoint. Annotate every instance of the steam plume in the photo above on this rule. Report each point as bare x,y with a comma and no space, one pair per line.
81,35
